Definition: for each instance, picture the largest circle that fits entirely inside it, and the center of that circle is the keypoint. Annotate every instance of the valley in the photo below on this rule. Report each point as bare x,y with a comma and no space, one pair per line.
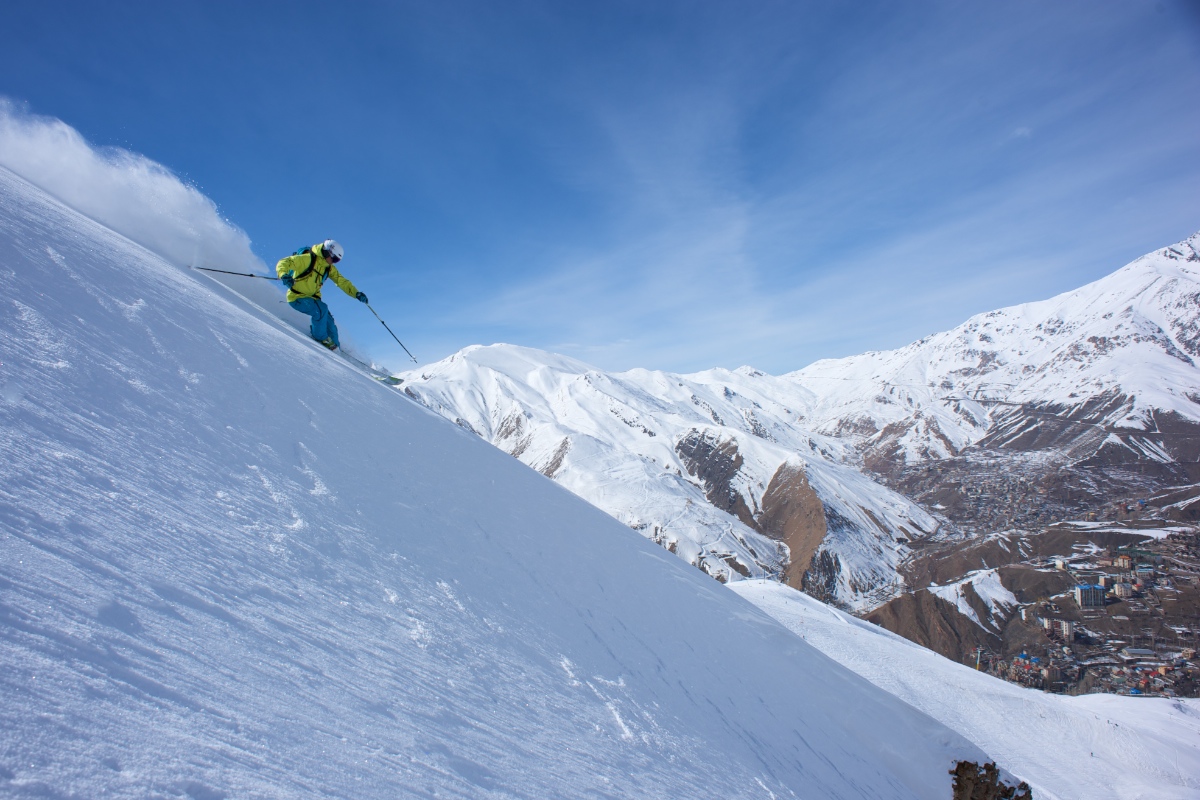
1010,605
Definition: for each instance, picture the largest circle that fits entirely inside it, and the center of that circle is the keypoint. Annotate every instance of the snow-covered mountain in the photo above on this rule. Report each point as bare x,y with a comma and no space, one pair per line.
723,467
233,565
1104,373
715,466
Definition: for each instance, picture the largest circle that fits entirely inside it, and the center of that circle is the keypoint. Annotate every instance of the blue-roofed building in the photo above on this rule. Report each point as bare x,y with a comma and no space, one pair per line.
1089,596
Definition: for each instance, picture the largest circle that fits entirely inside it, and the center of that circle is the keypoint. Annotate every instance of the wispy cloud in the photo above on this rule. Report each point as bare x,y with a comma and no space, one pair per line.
898,209
676,185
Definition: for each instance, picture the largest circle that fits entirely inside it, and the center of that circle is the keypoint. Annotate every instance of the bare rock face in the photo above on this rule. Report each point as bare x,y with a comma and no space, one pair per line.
789,510
793,513
716,462
973,782
932,622
554,463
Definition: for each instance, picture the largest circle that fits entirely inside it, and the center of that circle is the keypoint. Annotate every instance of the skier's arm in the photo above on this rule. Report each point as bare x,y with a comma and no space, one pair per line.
286,265
345,285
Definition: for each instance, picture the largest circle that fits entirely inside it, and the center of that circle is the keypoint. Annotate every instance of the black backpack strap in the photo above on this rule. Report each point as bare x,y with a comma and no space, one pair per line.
312,260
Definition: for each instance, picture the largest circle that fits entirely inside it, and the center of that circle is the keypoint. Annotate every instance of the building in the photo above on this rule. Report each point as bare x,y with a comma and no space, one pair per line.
1136,654
1089,596
1123,590
1123,562
1066,629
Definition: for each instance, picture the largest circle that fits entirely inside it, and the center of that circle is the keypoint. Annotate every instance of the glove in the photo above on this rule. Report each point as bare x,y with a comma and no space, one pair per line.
288,281
360,297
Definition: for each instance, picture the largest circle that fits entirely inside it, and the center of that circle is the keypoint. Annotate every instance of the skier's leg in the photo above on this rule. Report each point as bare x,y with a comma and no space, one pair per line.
331,327
317,311
323,323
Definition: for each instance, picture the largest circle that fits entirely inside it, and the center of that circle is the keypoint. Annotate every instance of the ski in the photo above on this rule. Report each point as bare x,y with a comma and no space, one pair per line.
374,372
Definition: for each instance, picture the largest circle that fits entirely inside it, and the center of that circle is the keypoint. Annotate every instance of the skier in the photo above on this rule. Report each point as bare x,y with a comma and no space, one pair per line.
303,274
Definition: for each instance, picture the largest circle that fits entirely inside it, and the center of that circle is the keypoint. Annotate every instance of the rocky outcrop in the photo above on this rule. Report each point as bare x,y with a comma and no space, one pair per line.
715,462
928,620
789,511
555,461
793,514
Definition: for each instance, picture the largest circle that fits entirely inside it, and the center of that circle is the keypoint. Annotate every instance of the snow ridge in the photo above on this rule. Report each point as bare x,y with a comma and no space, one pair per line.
1134,334
641,445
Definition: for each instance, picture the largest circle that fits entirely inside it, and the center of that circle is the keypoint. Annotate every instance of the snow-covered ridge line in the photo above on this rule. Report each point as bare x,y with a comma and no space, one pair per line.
699,463
1133,334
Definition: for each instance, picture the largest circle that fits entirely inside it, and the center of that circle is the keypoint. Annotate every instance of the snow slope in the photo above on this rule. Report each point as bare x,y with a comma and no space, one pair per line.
231,565
1067,748
688,460
988,587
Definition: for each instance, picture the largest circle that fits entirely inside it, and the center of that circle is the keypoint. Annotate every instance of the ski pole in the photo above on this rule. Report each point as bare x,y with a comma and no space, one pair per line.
245,275
394,336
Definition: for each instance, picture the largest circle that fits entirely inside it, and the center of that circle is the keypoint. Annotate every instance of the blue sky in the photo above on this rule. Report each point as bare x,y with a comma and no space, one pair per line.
665,185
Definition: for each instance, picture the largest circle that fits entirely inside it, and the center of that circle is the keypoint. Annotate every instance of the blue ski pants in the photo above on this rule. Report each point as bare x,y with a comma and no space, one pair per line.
322,321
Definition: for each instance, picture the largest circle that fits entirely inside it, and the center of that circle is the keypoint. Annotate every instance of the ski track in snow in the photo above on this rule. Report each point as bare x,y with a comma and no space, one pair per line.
233,566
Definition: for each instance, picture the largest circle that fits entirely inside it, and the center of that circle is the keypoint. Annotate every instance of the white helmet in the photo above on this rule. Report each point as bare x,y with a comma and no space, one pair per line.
332,250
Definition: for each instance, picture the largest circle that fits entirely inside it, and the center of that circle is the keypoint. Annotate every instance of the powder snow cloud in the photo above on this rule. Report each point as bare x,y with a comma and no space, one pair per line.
131,194
135,196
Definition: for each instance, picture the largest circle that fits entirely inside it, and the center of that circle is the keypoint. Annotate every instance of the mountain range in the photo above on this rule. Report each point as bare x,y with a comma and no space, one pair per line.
834,477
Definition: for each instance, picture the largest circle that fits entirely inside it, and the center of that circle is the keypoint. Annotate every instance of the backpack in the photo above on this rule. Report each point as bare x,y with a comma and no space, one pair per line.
312,260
